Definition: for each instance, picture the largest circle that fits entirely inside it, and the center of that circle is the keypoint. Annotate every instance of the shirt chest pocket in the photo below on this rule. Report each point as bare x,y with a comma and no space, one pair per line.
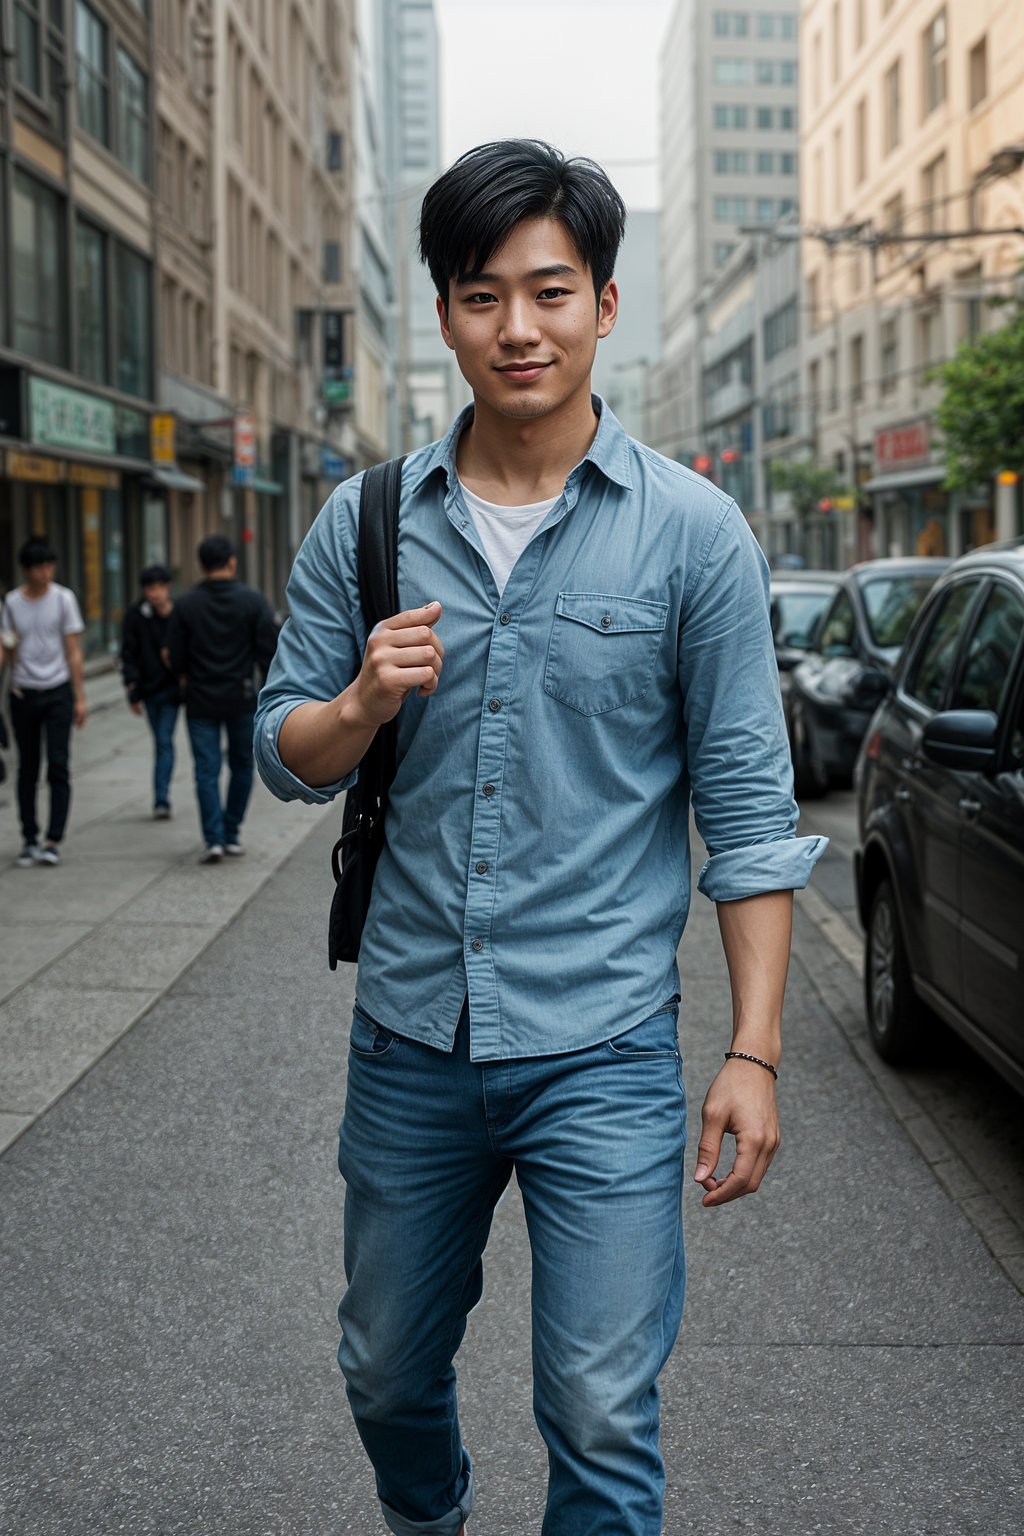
602,650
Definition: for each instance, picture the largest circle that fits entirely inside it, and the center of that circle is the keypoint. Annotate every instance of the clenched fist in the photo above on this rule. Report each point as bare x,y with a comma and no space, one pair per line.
402,654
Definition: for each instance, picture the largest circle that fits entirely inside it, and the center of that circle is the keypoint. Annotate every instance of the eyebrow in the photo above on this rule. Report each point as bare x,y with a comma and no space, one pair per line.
558,269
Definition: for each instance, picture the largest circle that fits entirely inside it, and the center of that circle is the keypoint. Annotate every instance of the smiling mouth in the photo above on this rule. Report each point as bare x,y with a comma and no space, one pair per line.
523,373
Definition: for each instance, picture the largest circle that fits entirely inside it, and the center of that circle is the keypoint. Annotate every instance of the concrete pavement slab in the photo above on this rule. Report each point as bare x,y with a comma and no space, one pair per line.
49,1037
11,1127
76,892
117,955
28,947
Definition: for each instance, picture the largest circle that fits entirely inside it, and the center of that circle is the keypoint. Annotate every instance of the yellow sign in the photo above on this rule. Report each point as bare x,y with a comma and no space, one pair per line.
1007,477
161,439
845,503
92,556
33,466
98,479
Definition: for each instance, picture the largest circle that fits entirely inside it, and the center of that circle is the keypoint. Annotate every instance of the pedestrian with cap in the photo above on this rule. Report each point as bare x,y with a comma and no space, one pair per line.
150,684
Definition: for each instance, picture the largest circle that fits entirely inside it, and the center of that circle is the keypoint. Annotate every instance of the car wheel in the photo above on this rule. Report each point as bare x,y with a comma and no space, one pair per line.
809,777
894,1011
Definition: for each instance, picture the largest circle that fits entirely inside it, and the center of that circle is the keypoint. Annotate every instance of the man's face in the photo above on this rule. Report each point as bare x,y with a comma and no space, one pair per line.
156,593
525,332
38,577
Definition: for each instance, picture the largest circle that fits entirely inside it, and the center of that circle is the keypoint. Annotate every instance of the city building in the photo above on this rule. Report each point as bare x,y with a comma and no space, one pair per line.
728,150
912,156
625,358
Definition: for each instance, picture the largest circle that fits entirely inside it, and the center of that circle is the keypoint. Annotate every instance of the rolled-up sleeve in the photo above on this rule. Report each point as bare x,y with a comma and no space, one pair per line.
738,756
320,648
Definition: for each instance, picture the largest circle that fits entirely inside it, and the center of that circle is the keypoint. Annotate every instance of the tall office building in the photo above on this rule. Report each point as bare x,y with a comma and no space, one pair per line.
729,140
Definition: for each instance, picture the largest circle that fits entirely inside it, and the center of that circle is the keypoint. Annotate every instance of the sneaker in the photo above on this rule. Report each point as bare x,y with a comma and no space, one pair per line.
212,854
48,855
234,849
161,813
28,856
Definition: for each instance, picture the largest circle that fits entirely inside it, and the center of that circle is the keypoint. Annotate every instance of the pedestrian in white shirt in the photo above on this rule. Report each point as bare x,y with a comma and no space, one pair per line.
41,629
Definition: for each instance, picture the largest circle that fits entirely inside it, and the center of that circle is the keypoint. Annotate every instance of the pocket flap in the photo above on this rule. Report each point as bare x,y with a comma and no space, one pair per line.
612,615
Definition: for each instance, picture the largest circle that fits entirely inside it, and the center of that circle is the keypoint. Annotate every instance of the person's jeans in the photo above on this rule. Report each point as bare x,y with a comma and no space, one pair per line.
37,713
163,717
427,1145
221,822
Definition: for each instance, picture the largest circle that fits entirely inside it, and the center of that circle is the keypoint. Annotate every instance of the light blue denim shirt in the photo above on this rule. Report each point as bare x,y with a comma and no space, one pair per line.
537,835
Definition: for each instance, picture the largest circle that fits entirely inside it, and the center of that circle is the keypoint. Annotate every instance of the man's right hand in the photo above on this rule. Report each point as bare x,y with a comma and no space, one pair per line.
402,654
135,706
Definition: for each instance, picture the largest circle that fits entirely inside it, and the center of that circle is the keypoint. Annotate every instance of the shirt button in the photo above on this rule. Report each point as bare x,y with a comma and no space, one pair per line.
606,622
477,944
494,706
488,790
506,618
481,869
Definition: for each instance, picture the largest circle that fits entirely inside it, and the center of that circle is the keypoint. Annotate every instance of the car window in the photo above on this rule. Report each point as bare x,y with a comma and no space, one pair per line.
840,628
929,673
1017,735
892,603
794,615
986,675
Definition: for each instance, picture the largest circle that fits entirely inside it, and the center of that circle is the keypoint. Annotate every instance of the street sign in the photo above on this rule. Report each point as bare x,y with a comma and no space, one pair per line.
244,466
161,438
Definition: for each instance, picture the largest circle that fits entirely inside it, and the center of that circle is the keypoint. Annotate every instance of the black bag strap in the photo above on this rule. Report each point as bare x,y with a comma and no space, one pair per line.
379,499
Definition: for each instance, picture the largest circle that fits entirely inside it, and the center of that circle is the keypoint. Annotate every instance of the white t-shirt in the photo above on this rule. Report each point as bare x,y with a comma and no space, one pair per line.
39,626
504,531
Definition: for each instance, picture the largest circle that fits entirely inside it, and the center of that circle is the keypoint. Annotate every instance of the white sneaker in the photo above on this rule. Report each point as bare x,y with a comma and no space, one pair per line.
161,813
212,855
234,849
28,856
48,855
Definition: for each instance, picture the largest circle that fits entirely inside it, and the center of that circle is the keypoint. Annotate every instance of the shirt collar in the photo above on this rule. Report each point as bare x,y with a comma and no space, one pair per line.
609,452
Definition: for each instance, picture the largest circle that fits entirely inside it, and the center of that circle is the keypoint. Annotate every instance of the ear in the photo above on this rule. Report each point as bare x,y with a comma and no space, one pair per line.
607,309
442,315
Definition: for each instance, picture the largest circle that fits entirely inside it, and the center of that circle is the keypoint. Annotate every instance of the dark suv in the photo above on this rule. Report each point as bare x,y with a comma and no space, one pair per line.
940,780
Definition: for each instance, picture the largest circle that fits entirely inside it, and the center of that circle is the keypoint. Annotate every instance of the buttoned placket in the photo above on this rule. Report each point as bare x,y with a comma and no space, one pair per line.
497,719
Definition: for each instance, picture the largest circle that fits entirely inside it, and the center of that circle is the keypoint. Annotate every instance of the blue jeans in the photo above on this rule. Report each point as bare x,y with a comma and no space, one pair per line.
221,823
428,1143
163,717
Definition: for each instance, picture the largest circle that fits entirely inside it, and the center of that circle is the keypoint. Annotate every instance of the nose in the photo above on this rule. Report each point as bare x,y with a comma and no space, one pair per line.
519,326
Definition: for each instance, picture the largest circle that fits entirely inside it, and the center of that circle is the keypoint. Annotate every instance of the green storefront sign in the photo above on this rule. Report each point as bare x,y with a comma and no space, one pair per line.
69,418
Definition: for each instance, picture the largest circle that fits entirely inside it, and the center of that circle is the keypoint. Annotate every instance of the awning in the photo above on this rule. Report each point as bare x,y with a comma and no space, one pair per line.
175,480
905,479
267,487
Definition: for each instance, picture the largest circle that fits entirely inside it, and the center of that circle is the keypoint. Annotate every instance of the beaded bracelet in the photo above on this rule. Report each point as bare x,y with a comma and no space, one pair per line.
742,1056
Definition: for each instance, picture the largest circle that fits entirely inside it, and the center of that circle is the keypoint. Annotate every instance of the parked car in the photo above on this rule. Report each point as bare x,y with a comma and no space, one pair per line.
940,862
798,601
837,687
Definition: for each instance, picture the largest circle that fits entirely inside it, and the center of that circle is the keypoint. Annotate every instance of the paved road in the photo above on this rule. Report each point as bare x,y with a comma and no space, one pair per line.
851,1355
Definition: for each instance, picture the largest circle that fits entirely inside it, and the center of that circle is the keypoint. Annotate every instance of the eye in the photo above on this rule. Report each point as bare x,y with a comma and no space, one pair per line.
481,298
554,293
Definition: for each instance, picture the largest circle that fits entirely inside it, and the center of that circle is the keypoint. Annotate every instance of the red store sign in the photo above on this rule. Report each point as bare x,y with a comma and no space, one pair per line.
903,447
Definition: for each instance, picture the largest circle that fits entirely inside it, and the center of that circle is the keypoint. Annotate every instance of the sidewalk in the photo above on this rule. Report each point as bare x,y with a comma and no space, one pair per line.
88,948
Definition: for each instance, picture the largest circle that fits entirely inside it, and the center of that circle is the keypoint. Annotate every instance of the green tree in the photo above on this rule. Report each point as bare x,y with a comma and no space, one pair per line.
981,413
807,484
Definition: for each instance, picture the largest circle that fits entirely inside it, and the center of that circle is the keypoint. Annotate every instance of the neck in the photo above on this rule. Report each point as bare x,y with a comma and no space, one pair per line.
508,460
164,608
219,575
36,588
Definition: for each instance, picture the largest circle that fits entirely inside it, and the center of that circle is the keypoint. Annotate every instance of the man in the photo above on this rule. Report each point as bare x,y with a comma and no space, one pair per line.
585,638
149,684
217,635
41,627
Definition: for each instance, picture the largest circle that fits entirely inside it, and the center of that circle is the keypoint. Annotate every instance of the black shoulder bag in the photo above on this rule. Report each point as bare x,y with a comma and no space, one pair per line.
355,855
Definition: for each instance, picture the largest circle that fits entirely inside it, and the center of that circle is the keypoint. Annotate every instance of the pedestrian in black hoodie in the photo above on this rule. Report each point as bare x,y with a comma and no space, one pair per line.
150,686
219,634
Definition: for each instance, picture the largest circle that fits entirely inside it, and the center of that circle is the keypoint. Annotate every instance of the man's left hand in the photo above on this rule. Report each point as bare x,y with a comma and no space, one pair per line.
81,712
741,1103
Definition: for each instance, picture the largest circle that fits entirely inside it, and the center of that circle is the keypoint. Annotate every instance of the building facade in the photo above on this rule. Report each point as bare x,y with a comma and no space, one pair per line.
912,153
729,141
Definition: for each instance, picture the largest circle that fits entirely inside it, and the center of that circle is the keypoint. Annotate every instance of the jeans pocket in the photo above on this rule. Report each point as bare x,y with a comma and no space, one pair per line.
603,649
368,1039
652,1037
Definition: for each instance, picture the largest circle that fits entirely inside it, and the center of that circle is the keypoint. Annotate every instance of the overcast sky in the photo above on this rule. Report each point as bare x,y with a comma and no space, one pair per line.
580,73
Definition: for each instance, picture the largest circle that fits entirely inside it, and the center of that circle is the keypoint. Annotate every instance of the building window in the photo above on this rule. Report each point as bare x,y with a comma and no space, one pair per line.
765,163
788,72
731,24
933,60
730,210
766,24
765,210
787,165
92,71
833,379
934,188
977,73
857,369
787,118
787,28
731,162
780,328
929,338
91,290
723,250
765,72
765,117
134,328
132,116
891,106
860,141
732,71
335,156
27,52
890,347
40,311
730,117
837,42
814,392
332,261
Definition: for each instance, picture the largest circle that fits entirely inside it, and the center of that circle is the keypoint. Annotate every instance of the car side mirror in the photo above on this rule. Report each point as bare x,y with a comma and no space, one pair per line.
872,687
962,738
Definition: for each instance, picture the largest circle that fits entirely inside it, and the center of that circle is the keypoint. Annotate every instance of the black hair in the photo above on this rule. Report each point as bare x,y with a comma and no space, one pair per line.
215,551
471,209
154,573
36,550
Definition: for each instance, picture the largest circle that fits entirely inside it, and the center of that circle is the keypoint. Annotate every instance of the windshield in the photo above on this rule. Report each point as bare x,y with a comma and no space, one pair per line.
891,603
794,615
